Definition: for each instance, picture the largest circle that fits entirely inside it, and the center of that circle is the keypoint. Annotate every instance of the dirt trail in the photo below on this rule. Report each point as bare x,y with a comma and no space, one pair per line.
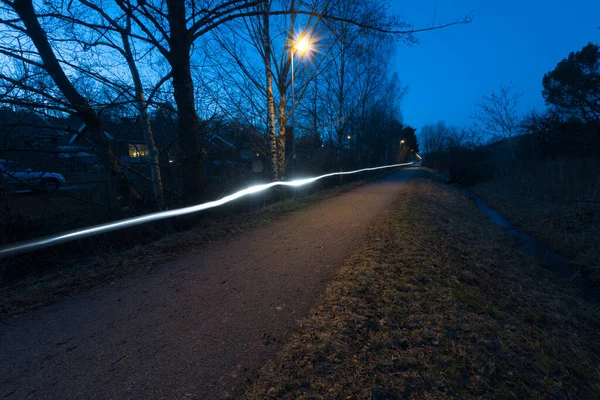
197,326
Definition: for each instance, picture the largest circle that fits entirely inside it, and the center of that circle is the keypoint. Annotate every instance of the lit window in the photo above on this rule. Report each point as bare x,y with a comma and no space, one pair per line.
138,150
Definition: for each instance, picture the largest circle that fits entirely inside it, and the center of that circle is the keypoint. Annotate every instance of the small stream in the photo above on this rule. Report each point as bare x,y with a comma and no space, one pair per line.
558,264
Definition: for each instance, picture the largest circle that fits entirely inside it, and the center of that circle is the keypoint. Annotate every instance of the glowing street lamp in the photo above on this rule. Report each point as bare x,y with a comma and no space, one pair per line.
301,45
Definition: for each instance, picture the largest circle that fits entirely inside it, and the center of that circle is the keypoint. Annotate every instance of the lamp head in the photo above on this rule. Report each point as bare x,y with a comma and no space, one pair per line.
302,45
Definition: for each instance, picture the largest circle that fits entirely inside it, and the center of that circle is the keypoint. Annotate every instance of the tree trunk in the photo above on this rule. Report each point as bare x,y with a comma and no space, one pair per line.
363,133
282,123
140,101
342,120
386,154
157,184
315,116
183,92
270,97
4,213
125,193
341,96
283,85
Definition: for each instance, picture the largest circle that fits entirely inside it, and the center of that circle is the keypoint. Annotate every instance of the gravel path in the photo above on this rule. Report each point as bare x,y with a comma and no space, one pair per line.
198,326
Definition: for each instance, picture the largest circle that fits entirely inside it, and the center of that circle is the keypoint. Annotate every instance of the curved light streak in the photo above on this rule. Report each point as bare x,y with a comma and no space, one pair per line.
53,240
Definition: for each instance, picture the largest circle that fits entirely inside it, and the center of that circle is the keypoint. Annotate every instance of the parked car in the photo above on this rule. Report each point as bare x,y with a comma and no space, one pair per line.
18,177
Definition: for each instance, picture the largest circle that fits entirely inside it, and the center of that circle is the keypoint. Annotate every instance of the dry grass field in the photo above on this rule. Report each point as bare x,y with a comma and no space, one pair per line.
440,303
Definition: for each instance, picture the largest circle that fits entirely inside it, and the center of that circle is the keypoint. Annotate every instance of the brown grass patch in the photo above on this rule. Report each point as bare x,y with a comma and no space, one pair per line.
440,303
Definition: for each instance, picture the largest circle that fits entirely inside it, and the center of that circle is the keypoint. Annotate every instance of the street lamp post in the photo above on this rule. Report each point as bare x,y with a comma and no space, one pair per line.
401,147
293,119
302,45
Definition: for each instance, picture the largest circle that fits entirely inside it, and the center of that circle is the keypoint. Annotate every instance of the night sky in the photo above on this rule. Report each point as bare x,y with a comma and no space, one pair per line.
508,41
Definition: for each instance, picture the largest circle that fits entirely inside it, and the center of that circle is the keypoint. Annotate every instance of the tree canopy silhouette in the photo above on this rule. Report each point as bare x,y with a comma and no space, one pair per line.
573,87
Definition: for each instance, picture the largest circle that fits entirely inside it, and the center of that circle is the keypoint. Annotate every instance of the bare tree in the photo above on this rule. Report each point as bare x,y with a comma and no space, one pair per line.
433,138
468,137
171,28
266,57
122,45
496,114
274,50
362,22
27,24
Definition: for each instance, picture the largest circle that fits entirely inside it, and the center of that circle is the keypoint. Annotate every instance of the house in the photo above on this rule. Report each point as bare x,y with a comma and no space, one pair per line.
29,139
229,148
232,149
126,135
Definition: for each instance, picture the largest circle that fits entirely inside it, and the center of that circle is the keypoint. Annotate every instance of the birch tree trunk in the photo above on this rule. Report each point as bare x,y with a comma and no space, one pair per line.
282,118
283,86
142,107
270,99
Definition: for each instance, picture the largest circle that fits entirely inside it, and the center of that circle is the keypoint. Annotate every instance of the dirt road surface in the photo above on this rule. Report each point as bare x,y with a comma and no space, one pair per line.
198,326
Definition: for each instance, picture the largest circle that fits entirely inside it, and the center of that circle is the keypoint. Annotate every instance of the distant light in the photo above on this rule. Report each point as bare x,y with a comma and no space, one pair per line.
349,137
257,155
402,141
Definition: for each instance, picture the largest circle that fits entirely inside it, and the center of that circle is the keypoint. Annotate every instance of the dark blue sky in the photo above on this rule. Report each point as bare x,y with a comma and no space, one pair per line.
512,40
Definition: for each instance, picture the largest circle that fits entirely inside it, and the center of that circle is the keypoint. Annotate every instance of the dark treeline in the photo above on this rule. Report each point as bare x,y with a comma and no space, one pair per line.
501,142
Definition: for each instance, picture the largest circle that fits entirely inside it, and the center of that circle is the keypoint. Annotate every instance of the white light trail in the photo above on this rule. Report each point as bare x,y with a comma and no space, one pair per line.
27,246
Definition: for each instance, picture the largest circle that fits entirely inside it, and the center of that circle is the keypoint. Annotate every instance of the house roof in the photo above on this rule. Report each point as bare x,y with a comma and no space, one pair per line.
26,124
131,131
221,137
219,142
128,130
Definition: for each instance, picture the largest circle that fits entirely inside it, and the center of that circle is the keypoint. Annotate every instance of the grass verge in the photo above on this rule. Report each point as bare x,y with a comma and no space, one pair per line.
440,303
558,203
108,264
